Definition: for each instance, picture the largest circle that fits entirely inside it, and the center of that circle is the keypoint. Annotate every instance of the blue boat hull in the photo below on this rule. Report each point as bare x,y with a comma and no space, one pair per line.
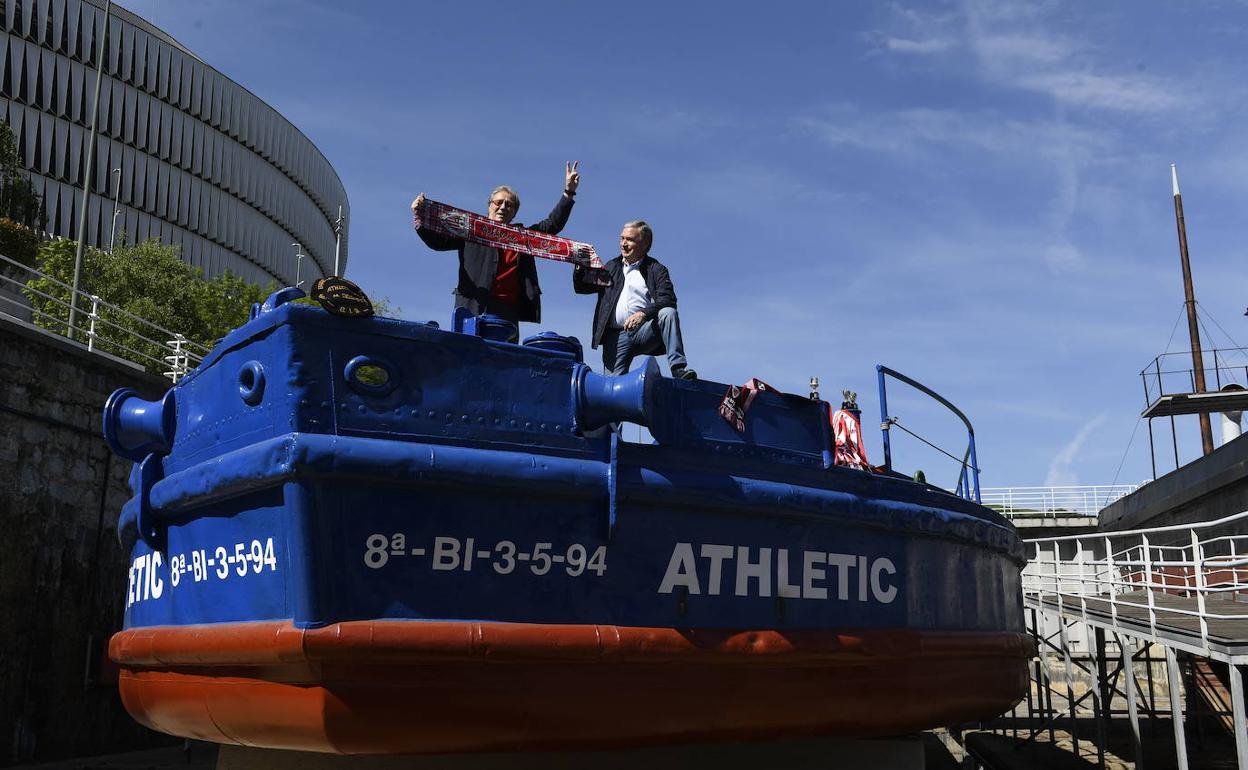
459,561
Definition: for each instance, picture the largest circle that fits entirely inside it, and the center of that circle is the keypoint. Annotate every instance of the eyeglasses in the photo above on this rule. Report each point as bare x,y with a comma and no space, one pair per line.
503,203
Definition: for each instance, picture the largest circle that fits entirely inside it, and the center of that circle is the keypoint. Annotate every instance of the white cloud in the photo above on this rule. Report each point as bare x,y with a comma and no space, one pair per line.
916,32
1062,469
1015,50
928,46
1063,258
1124,93
1022,48
989,11
921,19
913,130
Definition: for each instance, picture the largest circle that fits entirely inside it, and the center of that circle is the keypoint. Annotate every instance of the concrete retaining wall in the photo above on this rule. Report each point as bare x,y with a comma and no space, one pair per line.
1212,487
62,572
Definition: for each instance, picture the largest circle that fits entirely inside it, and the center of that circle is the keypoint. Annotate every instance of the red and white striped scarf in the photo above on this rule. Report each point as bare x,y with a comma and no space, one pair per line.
850,451
457,223
736,402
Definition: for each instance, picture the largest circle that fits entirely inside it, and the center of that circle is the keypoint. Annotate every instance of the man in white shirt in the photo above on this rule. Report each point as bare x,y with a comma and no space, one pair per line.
636,312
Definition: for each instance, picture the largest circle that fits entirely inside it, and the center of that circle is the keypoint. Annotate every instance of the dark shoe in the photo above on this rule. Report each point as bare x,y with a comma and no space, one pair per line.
684,373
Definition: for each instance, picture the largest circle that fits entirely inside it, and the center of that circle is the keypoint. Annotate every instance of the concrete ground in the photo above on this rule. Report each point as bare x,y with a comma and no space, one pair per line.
195,755
191,755
999,749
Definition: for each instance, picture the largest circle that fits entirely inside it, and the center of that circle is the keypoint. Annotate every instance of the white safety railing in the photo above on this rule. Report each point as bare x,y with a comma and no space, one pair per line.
1053,502
1163,585
1136,575
104,328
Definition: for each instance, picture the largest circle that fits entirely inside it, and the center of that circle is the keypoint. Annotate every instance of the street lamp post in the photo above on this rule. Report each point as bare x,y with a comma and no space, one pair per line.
298,263
112,238
90,170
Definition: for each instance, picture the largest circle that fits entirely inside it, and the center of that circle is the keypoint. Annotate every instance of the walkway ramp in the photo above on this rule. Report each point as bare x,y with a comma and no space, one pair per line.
1101,604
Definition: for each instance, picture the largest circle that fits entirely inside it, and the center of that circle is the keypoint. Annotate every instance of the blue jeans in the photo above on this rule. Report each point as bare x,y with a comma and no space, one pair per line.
659,334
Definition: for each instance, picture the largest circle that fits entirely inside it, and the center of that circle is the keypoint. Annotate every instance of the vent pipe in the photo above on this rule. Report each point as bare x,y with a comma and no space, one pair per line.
1231,421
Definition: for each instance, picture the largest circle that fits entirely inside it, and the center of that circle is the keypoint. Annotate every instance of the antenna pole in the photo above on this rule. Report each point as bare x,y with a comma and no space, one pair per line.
338,243
1189,297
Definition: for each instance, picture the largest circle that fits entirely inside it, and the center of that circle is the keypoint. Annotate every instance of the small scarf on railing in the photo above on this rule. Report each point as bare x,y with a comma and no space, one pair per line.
737,402
457,223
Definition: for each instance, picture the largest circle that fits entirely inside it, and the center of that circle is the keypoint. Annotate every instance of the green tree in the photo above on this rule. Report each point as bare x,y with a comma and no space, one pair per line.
19,243
18,199
148,280
21,208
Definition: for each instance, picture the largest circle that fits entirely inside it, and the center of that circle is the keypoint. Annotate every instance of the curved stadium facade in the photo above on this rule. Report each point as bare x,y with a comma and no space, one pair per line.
204,164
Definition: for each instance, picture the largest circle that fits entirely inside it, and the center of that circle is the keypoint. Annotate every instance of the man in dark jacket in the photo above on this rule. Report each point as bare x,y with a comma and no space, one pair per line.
636,311
503,282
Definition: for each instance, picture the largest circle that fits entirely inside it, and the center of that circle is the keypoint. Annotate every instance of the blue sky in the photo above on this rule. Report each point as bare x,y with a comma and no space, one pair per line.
975,194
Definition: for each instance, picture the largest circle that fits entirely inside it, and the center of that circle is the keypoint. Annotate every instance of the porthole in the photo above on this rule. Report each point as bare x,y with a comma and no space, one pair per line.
371,376
251,382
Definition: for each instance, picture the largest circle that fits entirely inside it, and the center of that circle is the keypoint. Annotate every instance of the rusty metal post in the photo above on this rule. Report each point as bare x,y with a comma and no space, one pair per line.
1189,299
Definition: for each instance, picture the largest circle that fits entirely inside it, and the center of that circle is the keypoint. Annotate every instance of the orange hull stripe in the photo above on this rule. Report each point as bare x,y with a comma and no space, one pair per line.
397,642
553,706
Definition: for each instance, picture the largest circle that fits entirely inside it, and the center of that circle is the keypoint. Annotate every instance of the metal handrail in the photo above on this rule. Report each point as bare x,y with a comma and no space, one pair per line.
1154,372
1150,530
1184,566
968,476
1054,501
176,351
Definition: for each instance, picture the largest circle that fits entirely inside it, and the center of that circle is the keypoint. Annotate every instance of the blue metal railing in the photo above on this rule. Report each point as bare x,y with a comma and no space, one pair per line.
968,477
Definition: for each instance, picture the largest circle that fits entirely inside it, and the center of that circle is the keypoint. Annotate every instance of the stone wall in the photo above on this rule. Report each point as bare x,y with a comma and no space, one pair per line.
62,572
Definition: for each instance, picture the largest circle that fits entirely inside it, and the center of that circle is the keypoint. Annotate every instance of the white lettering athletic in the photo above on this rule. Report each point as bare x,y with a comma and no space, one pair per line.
755,569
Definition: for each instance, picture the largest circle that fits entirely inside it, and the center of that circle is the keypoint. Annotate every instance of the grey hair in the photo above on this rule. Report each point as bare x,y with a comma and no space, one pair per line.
640,224
509,191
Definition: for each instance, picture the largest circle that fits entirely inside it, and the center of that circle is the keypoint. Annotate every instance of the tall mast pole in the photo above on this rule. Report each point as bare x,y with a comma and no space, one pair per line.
1189,296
